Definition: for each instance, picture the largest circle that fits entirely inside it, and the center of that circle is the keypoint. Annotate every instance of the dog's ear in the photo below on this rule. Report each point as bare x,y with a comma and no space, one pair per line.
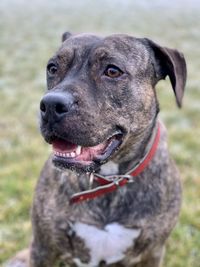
66,35
172,63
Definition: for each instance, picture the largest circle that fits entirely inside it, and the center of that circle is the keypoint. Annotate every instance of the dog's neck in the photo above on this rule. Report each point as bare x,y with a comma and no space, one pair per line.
139,150
110,180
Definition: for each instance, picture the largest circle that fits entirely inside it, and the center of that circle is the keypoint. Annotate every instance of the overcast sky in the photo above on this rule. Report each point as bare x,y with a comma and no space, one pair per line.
144,3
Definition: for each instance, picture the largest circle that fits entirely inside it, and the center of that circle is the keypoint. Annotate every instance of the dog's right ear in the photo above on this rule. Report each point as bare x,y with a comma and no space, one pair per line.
66,35
172,63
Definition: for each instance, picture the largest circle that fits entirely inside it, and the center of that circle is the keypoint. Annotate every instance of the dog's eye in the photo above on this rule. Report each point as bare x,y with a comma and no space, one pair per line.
113,71
51,68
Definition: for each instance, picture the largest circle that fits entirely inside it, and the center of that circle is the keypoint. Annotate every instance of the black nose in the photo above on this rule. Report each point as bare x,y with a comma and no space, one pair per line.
55,106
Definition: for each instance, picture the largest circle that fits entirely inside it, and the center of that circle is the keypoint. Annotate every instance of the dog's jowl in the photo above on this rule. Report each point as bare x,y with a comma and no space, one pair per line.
109,195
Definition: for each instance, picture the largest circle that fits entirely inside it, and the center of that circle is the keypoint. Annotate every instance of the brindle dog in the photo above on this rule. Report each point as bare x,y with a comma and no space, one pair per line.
100,116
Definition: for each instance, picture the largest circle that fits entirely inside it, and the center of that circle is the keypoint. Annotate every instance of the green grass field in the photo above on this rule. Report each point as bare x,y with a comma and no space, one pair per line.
29,34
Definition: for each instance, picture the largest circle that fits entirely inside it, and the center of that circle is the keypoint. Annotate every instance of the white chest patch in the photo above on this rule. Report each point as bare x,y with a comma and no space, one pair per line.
108,244
109,168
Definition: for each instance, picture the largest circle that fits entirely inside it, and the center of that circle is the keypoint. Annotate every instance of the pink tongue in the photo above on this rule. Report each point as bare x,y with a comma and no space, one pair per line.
63,146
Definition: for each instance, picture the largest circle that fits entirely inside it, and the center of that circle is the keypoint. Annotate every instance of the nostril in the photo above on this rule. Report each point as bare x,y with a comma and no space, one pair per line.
54,106
42,107
60,108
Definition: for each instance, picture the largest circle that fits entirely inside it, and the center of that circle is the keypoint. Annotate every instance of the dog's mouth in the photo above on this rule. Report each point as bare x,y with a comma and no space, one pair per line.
69,155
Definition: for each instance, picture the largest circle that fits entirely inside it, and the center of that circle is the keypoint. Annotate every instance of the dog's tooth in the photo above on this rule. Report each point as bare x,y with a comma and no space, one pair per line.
65,155
78,150
72,154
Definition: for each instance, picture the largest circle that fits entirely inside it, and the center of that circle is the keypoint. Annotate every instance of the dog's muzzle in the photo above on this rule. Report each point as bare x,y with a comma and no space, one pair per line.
57,108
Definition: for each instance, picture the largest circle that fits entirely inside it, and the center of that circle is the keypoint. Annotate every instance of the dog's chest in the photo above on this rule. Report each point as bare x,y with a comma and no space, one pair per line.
108,244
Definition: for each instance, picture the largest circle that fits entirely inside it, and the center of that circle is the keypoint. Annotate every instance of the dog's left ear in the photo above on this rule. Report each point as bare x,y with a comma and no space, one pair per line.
66,35
172,63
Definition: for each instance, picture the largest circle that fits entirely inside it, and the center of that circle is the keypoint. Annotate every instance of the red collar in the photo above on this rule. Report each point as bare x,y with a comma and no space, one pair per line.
111,183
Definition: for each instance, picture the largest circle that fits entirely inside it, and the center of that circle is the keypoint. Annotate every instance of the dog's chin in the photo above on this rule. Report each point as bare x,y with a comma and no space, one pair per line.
67,155
78,167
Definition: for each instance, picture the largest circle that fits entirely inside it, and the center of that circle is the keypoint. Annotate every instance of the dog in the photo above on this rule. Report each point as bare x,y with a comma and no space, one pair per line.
109,195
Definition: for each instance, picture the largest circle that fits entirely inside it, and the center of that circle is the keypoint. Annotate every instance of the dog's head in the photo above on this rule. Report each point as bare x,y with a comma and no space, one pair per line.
101,93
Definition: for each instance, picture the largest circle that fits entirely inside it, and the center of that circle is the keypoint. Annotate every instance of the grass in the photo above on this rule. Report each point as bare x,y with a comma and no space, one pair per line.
30,33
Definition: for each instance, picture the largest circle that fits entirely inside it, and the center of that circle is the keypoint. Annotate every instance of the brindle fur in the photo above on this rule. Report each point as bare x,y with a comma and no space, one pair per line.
152,202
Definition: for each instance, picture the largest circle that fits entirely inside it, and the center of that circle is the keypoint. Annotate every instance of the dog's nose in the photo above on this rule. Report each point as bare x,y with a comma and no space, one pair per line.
55,106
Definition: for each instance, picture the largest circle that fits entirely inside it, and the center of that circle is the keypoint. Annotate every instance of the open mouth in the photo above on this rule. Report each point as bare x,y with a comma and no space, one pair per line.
69,155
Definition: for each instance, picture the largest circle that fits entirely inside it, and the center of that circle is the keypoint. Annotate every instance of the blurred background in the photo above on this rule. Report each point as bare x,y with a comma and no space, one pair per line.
30,32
